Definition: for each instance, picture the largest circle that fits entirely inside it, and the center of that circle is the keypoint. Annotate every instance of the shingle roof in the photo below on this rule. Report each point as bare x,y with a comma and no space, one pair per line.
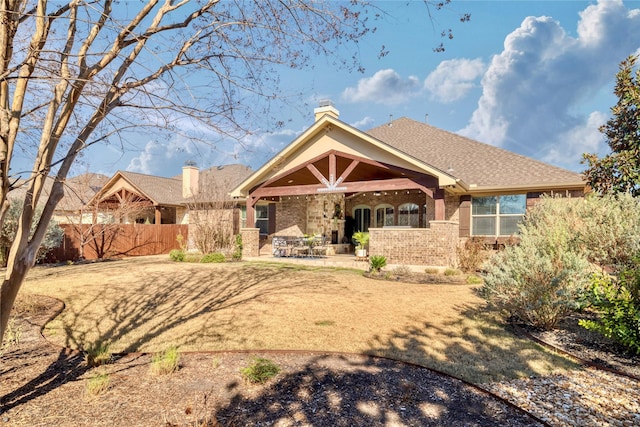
168,191
471,161
162,191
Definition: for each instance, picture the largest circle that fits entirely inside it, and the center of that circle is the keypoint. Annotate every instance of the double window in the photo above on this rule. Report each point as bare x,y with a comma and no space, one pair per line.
497,215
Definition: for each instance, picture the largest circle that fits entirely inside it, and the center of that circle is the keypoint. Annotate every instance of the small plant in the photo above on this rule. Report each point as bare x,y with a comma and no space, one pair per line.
98,384
177,255
401,270
362,237
619,304
215,257
377,263
452,272
12,335
97,354
432,270
215,362
165,362
472,254
472,279
325,323
260,370
237,253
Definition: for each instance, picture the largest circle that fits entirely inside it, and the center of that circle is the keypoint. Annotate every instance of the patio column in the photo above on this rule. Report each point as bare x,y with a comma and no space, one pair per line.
158,217
438,196
251,211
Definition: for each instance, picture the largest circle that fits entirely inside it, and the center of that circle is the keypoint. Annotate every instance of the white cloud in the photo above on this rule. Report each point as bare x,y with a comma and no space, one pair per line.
363,123
384,87
453,79
583,138
532,89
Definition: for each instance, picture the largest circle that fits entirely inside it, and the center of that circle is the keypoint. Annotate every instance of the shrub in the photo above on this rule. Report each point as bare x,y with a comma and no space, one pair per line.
97,354
377,263
619,305
472,254
451,272
538,281
177,255
472,279
260,370
213,257
432,270
165,362
237,252
401,270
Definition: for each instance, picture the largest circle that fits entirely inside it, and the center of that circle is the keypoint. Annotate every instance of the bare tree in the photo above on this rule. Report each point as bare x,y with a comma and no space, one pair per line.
211,218
77,73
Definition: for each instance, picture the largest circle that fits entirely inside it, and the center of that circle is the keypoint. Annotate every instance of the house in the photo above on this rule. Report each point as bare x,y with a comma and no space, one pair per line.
130,197
418,190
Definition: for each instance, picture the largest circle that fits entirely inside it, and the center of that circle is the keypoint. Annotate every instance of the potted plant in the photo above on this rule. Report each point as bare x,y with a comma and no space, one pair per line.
362,237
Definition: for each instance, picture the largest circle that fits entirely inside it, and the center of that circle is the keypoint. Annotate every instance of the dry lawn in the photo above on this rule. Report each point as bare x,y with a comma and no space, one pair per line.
148,304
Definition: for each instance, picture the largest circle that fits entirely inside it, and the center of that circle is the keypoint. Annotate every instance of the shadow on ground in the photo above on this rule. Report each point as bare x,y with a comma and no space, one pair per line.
337,390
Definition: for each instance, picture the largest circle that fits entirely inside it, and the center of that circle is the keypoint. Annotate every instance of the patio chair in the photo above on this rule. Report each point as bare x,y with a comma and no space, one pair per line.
279,246
319,247
300,248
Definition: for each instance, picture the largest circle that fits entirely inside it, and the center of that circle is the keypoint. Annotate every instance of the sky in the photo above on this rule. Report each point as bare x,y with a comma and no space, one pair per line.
533,77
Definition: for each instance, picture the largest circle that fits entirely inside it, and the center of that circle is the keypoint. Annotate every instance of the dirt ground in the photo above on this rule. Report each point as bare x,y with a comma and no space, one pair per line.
44,385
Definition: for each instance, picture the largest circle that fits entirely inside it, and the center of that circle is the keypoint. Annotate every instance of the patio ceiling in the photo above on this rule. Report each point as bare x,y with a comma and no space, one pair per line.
336,172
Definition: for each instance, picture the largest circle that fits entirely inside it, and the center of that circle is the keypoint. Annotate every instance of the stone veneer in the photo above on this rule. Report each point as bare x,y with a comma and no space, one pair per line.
434,246
250,242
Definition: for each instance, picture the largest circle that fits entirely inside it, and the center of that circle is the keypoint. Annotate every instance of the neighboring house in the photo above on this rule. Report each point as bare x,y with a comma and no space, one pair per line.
78,191
130,197
420,191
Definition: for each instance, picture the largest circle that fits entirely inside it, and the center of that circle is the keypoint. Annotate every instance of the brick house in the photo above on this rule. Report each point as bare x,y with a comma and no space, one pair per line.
418,190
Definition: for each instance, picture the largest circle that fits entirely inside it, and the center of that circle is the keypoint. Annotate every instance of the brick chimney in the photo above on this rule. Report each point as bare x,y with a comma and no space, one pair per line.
190,178
326,107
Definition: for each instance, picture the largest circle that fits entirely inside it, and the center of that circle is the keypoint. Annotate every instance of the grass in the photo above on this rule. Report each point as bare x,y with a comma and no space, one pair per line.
165,362
98,384
146,304
260,370
97,354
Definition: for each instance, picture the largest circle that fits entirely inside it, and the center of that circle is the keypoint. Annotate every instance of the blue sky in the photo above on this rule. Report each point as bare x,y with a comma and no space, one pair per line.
534,77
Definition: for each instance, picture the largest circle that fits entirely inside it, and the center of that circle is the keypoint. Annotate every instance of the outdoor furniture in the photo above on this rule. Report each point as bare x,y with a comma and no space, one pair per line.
280,246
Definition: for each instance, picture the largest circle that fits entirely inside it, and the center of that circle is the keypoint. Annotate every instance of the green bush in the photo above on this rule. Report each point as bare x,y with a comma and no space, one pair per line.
451,272
260,370
237,253
177,255
377,263
547,274
618,302
213,257
97,354
538,281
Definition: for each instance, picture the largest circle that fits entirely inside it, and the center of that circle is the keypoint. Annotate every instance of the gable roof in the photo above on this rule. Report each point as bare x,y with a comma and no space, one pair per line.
478,165
460,164
168,191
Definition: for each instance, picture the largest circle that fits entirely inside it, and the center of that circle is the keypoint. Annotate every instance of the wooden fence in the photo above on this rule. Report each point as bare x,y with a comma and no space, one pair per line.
116,240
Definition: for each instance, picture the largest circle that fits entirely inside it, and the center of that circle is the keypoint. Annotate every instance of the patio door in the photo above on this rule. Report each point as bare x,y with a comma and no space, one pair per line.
362,217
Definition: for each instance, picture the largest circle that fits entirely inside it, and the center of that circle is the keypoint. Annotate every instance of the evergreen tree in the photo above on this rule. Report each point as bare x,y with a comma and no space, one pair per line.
619,171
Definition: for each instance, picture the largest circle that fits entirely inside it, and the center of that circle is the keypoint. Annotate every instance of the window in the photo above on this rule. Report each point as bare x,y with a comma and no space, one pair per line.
362,216
262,218
497,215
409,215
384,215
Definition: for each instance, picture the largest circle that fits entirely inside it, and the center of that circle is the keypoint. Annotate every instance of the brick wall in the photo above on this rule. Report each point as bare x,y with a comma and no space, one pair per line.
433,246
250,242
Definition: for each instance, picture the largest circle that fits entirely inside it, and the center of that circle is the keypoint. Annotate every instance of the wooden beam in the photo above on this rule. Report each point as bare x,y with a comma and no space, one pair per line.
352,187
440,205
158,217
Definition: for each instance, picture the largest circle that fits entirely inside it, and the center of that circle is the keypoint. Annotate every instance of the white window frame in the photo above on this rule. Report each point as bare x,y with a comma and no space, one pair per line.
497,215
387,221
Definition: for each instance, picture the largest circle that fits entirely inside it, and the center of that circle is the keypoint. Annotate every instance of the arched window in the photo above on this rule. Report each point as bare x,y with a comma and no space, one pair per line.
409,215
362,217
384,215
